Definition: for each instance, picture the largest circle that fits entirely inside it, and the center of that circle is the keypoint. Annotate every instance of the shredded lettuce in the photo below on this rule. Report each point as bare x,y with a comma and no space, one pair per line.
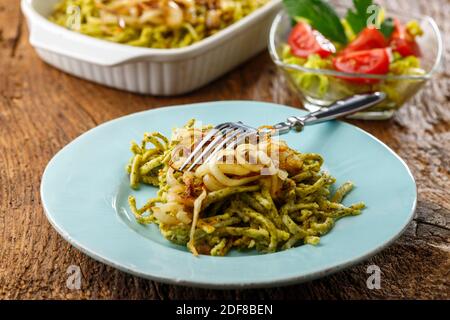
413,28
351,35
406,66
305,80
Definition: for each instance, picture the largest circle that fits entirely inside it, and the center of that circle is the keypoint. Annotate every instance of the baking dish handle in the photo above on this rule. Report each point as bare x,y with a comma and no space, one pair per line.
51,37
84,49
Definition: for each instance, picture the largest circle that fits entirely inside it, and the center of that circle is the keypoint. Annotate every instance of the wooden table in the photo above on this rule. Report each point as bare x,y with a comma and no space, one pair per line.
43,109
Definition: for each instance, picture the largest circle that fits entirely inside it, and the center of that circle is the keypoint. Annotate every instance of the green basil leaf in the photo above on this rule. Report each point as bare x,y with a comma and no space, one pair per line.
359,18
387,27
321,16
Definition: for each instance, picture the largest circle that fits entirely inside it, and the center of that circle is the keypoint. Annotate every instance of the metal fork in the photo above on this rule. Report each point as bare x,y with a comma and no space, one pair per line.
231,134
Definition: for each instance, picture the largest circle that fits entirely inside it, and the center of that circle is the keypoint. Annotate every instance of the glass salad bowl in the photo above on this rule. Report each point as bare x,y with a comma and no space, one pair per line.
320,87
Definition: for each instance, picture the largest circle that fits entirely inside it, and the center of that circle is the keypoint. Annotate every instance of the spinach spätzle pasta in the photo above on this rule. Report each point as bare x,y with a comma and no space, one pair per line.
252,200
152,23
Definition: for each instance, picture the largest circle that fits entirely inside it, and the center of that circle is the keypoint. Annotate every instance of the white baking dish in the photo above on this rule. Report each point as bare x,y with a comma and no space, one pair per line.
146,70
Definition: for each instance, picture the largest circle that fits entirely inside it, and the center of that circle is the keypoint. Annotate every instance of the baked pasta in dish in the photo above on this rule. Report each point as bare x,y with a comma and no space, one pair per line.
152,23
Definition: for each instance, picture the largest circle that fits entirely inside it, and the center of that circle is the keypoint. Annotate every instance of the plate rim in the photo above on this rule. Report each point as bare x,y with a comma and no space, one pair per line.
228,285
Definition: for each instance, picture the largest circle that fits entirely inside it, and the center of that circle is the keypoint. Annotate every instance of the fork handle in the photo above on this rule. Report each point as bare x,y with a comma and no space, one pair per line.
345,107
338,109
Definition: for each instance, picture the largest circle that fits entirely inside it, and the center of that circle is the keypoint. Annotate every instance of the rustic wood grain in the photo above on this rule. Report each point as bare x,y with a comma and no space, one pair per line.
43,109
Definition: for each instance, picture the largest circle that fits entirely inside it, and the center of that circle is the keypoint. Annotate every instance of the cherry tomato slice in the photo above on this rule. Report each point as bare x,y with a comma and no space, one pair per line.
374,61
402,42
305,41
369,38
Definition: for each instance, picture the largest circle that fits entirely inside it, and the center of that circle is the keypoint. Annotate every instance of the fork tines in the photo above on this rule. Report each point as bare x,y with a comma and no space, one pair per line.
225,135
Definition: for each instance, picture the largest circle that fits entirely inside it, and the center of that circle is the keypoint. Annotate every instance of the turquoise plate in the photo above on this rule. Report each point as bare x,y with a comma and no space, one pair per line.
84,192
